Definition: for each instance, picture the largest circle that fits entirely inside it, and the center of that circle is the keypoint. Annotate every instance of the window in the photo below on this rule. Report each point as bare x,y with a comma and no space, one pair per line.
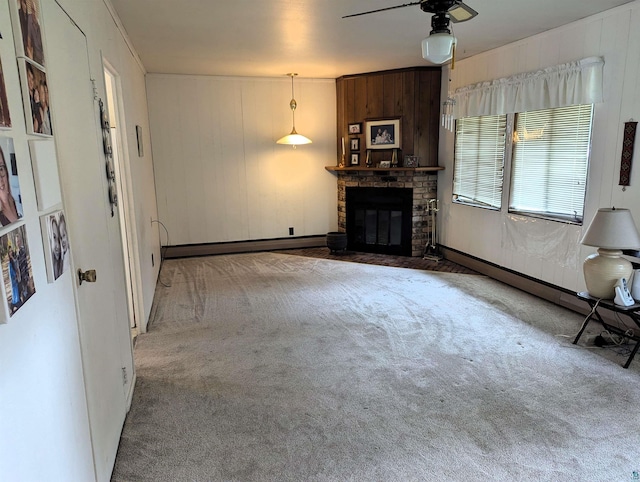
550,160
479,161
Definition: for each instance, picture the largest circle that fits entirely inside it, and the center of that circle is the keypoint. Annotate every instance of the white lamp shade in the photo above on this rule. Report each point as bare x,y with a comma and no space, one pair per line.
611,230
438,47
294,139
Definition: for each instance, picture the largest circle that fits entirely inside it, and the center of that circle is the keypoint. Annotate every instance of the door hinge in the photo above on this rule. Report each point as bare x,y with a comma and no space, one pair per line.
124,375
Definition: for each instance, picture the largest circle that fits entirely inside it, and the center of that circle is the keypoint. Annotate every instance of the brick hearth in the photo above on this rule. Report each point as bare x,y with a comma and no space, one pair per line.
424,187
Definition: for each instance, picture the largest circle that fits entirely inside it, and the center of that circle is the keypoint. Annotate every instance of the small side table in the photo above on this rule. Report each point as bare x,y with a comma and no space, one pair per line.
632,312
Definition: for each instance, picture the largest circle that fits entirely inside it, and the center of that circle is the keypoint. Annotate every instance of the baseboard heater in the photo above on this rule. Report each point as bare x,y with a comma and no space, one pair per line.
560,296
249,246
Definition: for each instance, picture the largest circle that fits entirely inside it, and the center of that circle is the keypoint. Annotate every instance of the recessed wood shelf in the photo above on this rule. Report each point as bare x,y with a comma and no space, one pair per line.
364,168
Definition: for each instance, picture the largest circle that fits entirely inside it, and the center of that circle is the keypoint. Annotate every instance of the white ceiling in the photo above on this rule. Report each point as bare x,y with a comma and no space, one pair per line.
273,37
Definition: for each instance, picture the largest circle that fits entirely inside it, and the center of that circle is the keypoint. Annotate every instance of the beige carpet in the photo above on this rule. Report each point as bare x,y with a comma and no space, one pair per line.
272,367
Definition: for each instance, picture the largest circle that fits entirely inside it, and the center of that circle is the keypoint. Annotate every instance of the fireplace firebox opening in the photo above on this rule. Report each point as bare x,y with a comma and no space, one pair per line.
379,220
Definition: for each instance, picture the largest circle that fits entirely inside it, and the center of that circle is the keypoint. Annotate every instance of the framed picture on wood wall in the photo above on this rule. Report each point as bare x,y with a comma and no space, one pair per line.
355,158
355,144
383,134
355,128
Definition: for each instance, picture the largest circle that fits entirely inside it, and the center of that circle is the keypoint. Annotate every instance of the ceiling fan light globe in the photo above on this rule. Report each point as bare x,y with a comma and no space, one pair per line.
438,47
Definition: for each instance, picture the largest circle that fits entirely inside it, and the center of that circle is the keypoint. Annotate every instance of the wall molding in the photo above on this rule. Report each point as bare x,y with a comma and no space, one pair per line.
234,247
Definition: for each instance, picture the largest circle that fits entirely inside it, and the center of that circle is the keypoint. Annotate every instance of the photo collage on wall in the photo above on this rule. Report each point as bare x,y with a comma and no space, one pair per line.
15,256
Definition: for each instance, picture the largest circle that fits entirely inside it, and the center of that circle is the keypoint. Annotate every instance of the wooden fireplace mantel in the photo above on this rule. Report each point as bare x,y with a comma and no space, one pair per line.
364,168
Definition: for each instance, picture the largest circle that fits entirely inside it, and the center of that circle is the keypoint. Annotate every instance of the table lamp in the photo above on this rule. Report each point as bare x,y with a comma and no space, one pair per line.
611,231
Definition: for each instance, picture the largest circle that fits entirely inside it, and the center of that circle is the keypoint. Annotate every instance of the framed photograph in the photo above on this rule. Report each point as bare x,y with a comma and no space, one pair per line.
411,161
28,30
355,128
56,244
10,198
45,173
385,164
383,134
355,144
5,117
16,268
355,158
35,94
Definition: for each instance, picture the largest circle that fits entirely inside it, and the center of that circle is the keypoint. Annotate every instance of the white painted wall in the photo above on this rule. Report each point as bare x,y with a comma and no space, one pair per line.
220,176
547,250
43,412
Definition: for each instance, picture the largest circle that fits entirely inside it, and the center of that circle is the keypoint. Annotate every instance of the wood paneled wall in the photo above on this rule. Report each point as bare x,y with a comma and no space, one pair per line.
413,95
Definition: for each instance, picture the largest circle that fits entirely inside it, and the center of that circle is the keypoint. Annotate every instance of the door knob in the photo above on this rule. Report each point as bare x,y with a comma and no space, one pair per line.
89,276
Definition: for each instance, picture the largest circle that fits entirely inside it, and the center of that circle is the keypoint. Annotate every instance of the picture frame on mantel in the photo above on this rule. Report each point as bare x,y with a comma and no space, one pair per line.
355,158
383,134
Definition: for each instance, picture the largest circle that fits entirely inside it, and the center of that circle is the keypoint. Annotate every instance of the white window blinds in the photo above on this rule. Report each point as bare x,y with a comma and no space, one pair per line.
479,161
550,161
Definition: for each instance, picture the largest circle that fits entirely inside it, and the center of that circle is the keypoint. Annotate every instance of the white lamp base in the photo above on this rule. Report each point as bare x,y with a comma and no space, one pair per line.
603,270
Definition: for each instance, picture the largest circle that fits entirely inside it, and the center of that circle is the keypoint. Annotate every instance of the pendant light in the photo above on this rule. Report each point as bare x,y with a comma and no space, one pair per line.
294,139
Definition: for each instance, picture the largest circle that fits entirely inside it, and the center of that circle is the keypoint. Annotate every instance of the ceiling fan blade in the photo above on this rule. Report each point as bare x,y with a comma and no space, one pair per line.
461,13
382,9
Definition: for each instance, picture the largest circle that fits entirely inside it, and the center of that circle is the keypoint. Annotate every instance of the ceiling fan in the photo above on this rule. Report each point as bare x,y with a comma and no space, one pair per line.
438,47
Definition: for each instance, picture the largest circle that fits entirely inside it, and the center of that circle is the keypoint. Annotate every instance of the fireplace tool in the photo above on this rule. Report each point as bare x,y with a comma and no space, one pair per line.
431,250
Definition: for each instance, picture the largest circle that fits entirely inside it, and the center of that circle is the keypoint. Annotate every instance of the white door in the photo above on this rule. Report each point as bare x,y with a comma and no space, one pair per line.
94,235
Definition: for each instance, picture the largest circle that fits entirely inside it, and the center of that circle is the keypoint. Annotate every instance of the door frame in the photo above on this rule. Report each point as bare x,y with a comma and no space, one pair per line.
126,206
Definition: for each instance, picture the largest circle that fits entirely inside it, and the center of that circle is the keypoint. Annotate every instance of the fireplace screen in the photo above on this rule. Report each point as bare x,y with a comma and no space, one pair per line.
379,220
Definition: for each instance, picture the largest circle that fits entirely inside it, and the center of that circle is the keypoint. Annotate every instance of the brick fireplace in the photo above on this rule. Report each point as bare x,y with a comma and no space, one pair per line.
423,185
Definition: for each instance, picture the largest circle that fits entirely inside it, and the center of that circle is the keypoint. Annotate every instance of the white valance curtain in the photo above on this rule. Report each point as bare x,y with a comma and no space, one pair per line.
578,82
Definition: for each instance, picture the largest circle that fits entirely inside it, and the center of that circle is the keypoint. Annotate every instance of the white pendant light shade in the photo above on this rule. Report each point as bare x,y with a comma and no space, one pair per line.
293,139
438,47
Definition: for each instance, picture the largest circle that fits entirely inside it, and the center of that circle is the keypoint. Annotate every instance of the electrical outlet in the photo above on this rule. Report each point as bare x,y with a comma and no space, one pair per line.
290,231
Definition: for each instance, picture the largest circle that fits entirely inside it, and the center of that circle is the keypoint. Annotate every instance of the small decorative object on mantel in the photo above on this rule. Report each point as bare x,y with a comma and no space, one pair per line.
385,164
411,161
628,140
368,158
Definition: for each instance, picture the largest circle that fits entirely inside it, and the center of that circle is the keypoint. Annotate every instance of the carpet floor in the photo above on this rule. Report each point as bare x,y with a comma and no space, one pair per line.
274,367
442,265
